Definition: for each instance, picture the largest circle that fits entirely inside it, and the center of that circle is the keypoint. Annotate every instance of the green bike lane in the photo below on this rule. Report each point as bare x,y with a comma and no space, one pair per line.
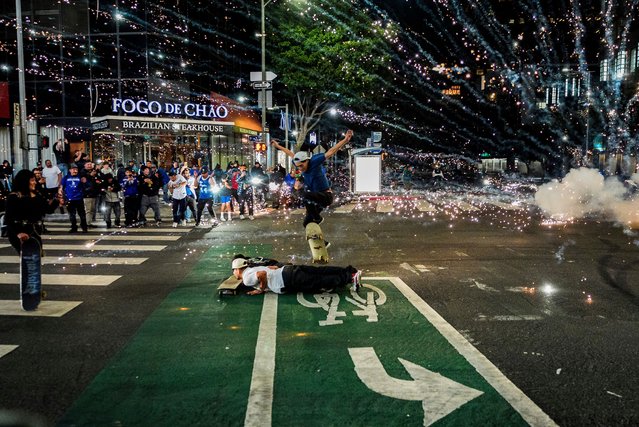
378,357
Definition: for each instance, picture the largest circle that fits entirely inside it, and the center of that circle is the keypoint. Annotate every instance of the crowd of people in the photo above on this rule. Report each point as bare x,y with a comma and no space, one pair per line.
124,195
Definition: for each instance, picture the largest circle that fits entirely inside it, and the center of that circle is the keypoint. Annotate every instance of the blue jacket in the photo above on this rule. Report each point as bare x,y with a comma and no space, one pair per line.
315,176
73,187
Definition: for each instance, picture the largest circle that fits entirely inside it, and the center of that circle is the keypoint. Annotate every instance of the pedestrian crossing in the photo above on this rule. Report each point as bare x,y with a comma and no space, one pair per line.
99,248
77,260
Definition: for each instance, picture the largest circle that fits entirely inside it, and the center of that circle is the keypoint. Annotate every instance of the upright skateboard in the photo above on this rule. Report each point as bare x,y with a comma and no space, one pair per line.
315,239
30,274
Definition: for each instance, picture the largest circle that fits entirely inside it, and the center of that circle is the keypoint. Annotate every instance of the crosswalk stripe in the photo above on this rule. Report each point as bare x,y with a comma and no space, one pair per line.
6,349
425,206
64,279
99,247
384,206
46,308
505,206
347,208
4,245
127,230
79,260
109,237
467,206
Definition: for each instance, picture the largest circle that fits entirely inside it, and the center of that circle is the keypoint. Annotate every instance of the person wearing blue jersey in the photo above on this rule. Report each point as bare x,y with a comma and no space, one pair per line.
131,196
206,184
73,190
317,193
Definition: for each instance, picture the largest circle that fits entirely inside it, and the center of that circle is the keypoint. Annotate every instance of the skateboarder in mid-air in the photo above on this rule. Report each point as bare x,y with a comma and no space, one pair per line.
317,193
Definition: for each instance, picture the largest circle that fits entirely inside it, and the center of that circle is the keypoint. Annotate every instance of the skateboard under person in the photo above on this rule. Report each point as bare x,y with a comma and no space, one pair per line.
25,210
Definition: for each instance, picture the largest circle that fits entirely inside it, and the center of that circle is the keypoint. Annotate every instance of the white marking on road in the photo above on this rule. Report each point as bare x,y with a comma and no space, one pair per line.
508,318
347,208
110,237
422,268
530,412
4,245
439,395
467,206
481,286
425,206
407,266
46,308
384,206
259,410
123,231
462,254
64,279
6,349
89,260
506,206
99,247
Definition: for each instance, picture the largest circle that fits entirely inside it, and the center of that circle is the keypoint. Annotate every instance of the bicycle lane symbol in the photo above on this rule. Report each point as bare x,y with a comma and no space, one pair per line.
329,302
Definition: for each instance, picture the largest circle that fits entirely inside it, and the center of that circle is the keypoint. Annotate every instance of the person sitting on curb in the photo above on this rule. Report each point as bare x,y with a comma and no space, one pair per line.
295,278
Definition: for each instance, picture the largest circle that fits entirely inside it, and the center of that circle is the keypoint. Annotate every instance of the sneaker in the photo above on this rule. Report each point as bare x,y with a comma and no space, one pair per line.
183,223
356,281
175,225
223,219
251,217
241,216
73,230
327,244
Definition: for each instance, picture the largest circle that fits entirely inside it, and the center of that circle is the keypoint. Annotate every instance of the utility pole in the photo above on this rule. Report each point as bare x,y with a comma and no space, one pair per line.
23,143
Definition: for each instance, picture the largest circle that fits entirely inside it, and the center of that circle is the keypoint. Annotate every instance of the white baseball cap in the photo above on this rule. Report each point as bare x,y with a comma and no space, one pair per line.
239,263
300,156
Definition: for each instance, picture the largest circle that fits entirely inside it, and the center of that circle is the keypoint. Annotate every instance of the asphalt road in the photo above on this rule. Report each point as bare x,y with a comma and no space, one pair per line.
555,308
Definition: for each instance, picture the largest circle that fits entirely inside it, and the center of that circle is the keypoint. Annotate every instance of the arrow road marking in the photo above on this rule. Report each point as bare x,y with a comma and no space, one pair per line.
439,395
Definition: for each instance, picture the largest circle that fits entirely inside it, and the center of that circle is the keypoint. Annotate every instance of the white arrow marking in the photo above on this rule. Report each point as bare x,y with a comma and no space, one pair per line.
407,266
439,395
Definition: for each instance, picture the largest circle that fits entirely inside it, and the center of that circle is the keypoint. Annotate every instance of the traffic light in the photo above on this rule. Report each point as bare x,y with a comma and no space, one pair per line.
260,146
45,142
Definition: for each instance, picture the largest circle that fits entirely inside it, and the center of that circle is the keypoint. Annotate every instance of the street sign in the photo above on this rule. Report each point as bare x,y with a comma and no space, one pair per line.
256,76
262,85
269,99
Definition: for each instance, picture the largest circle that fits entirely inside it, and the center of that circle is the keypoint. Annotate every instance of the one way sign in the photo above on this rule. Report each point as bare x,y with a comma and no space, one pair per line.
262,85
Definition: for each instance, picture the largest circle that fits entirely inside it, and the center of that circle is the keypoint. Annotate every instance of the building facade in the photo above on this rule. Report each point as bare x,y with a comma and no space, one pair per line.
105,75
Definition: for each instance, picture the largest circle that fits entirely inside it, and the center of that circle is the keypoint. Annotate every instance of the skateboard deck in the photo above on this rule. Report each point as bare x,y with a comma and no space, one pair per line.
229,286
30,274
315,239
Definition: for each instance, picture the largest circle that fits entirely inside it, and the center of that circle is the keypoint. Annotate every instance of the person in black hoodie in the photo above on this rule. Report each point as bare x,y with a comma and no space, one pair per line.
25,210
149,185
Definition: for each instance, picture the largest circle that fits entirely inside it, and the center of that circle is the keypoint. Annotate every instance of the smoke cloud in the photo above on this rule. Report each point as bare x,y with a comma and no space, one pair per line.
586,193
